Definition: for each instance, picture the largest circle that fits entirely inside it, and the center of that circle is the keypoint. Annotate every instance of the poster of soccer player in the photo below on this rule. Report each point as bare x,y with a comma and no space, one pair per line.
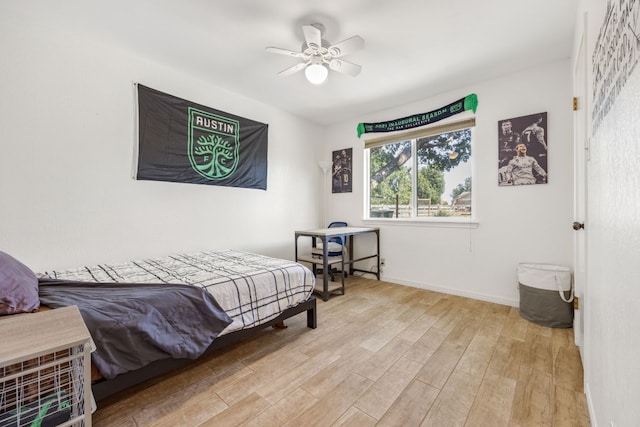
341,173
522,150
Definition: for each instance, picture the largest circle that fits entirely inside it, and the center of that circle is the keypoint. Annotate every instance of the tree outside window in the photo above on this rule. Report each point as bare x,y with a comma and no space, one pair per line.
422,177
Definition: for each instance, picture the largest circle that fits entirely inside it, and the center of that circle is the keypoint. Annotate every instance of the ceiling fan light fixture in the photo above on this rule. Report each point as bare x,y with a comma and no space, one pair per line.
316,73
318,56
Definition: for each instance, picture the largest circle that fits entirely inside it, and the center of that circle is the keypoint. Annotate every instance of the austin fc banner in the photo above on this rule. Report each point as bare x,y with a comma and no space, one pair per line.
181,141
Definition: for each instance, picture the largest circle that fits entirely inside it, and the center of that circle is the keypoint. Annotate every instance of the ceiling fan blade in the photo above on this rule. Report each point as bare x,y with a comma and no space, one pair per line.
285,52
295,68
345,67
313,36
347,46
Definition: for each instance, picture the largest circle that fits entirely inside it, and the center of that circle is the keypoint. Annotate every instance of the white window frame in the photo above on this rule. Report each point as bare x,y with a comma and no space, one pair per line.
430,221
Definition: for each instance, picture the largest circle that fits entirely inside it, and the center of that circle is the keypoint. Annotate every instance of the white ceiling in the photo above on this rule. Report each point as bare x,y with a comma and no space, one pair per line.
414,48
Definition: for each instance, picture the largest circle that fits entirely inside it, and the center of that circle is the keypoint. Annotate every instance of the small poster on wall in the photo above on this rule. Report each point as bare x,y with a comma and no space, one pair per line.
341,172
522,150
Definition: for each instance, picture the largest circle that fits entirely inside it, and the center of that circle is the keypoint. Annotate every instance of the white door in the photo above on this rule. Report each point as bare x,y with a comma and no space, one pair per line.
581,151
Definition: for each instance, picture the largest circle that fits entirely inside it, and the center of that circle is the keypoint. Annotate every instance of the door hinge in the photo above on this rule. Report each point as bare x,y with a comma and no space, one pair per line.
576,303
575,103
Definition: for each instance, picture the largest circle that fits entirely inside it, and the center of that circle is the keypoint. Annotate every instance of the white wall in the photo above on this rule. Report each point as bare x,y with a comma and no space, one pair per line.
66,144
516,224
612,294
67,197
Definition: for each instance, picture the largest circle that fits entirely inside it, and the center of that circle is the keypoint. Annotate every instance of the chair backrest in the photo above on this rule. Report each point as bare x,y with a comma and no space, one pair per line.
338,224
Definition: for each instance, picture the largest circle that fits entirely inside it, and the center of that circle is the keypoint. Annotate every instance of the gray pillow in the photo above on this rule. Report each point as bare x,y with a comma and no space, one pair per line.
18,287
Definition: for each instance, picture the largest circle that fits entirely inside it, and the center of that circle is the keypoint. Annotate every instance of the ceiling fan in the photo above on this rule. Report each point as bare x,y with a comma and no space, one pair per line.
318,55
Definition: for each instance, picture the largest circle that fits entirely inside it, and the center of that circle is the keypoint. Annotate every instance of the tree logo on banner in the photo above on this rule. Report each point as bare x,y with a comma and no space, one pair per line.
213,144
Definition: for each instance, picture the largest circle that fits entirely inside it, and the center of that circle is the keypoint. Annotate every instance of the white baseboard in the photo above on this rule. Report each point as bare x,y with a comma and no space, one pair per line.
592,416
482,297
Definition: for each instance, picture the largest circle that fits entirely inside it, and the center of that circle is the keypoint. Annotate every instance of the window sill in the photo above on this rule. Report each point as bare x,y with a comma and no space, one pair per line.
431,222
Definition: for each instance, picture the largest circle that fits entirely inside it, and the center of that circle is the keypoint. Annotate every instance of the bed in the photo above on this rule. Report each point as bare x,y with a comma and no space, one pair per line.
228,294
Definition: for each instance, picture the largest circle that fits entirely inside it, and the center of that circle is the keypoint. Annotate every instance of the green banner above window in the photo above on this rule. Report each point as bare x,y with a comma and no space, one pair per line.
469,102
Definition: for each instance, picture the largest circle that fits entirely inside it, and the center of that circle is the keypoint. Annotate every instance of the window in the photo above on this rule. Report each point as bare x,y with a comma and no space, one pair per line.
421,174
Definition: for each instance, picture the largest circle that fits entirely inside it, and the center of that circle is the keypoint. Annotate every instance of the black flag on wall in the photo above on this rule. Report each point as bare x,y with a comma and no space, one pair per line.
181,141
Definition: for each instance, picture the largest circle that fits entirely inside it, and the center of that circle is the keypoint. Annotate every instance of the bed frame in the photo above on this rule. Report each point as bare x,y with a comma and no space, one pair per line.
105,388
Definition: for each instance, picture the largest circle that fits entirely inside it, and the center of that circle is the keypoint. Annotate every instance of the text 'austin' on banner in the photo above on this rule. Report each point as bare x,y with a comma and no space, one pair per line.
180,141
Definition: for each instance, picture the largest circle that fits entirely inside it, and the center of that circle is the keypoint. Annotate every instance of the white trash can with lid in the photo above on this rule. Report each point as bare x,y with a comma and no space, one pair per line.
546,294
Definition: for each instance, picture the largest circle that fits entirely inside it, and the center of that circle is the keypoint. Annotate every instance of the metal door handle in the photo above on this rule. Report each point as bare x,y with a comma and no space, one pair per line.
578,225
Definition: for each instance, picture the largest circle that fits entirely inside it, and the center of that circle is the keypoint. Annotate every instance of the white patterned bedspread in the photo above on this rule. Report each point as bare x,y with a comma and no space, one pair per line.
251,288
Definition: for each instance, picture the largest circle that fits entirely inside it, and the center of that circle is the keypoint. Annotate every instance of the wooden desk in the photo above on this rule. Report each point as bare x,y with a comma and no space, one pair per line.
324,234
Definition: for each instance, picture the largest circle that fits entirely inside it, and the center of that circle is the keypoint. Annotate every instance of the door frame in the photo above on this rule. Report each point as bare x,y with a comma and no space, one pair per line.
581,159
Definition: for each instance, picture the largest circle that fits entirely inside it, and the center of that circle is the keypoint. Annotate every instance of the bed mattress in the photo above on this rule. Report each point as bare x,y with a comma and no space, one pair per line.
252,289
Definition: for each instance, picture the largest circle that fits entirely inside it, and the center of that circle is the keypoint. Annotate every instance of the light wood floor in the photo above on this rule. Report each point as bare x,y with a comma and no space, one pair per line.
384,355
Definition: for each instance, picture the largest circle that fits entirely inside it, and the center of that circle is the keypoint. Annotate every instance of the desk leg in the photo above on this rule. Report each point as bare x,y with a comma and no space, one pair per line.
350,249
314,266
325,269
378,253
343,272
